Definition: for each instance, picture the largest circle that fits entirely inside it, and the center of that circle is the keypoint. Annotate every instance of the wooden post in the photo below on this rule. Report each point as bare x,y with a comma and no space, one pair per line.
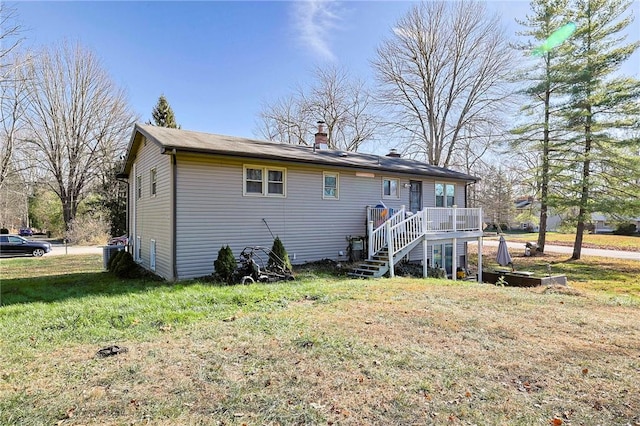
425,257
479,259
370,240
454,260
455,218
390,248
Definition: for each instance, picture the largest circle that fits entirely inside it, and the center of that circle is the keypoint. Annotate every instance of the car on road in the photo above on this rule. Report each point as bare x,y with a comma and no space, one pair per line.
25,232
14,245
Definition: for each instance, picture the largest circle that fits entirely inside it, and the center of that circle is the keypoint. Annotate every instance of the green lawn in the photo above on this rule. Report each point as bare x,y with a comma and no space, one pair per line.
318,350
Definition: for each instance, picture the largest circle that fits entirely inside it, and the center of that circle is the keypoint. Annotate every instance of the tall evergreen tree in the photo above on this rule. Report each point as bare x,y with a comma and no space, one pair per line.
603,106
539,131
162,114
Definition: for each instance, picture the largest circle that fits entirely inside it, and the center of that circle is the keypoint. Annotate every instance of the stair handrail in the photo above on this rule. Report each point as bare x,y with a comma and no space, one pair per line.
406,232
378,236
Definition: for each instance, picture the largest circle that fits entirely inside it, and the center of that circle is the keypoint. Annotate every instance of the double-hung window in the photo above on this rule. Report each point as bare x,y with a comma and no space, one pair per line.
445,195
265,181
390,188
330,189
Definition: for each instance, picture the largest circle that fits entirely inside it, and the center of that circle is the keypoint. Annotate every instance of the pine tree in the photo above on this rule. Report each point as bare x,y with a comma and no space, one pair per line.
225,265
278,256
603,106
163,114
539,132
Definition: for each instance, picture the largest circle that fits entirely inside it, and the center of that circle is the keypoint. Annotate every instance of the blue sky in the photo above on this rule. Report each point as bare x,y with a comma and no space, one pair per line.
219,62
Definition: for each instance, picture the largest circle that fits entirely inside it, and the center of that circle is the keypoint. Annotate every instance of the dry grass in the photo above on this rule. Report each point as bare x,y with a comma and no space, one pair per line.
599,276
390,352
335,352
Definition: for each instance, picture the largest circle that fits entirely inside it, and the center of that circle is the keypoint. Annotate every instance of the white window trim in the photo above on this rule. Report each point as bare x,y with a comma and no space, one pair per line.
153,182
337,176
435,200
265,181
397,194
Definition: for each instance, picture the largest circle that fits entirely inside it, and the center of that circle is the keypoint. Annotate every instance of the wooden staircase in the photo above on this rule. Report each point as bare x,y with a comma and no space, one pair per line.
378,265
375,267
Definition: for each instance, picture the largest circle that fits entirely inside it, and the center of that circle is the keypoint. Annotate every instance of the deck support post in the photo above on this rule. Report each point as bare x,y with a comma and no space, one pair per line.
390,248
425,257
370,240
454,259
479,259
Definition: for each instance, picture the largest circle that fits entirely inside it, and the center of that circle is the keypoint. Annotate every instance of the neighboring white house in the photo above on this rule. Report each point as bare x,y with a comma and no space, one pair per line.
191,193
599,222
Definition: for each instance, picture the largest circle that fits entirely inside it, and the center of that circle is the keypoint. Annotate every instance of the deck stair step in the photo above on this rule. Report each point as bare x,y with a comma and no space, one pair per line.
378,265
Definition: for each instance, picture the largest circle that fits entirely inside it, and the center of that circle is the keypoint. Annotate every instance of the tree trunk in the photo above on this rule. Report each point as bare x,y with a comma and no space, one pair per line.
544,187
584,197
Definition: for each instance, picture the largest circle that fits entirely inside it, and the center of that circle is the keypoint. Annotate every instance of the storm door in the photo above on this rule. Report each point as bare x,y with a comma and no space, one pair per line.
415,196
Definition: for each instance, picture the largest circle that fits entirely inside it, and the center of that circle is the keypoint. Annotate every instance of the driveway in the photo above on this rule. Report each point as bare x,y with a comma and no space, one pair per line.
617,254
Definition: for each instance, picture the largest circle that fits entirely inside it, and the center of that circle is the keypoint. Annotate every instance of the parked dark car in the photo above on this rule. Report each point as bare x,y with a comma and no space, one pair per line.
25,232
13,245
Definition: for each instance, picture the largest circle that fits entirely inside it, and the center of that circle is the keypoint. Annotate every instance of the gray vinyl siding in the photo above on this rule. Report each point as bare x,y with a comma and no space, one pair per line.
212,211
152,219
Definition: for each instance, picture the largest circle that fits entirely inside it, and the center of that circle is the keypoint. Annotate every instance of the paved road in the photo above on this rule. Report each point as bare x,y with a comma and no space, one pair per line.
60,249
618,254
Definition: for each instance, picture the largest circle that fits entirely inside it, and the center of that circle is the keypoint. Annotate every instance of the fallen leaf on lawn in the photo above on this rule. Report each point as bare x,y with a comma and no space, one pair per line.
585,370
556,421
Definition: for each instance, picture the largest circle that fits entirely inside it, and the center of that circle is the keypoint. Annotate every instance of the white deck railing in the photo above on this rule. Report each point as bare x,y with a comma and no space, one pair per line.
378,218
403,230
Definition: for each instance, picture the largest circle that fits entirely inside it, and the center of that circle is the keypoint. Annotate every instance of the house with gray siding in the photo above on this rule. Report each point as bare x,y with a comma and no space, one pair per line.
191,193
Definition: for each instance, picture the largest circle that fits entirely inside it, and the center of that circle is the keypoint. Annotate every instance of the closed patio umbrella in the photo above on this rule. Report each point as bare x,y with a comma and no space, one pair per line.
503,258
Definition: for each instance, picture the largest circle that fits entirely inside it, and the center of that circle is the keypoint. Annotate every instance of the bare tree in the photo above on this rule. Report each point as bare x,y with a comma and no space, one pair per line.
443,77
11,89
10,38
77,119
13,93
343,103
286,120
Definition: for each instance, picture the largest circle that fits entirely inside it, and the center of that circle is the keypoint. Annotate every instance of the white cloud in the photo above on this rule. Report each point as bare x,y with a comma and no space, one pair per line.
315,20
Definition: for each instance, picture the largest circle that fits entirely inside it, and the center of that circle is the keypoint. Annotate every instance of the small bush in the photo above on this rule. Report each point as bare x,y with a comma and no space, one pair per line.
225,265
125,267
4,231
114,259
278,256
625,229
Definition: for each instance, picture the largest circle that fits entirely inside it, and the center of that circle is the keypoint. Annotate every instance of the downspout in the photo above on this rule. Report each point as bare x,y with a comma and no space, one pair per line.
121,177
174,210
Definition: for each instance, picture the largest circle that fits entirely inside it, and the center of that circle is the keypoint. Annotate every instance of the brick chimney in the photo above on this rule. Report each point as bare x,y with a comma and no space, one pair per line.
321,138
393,153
